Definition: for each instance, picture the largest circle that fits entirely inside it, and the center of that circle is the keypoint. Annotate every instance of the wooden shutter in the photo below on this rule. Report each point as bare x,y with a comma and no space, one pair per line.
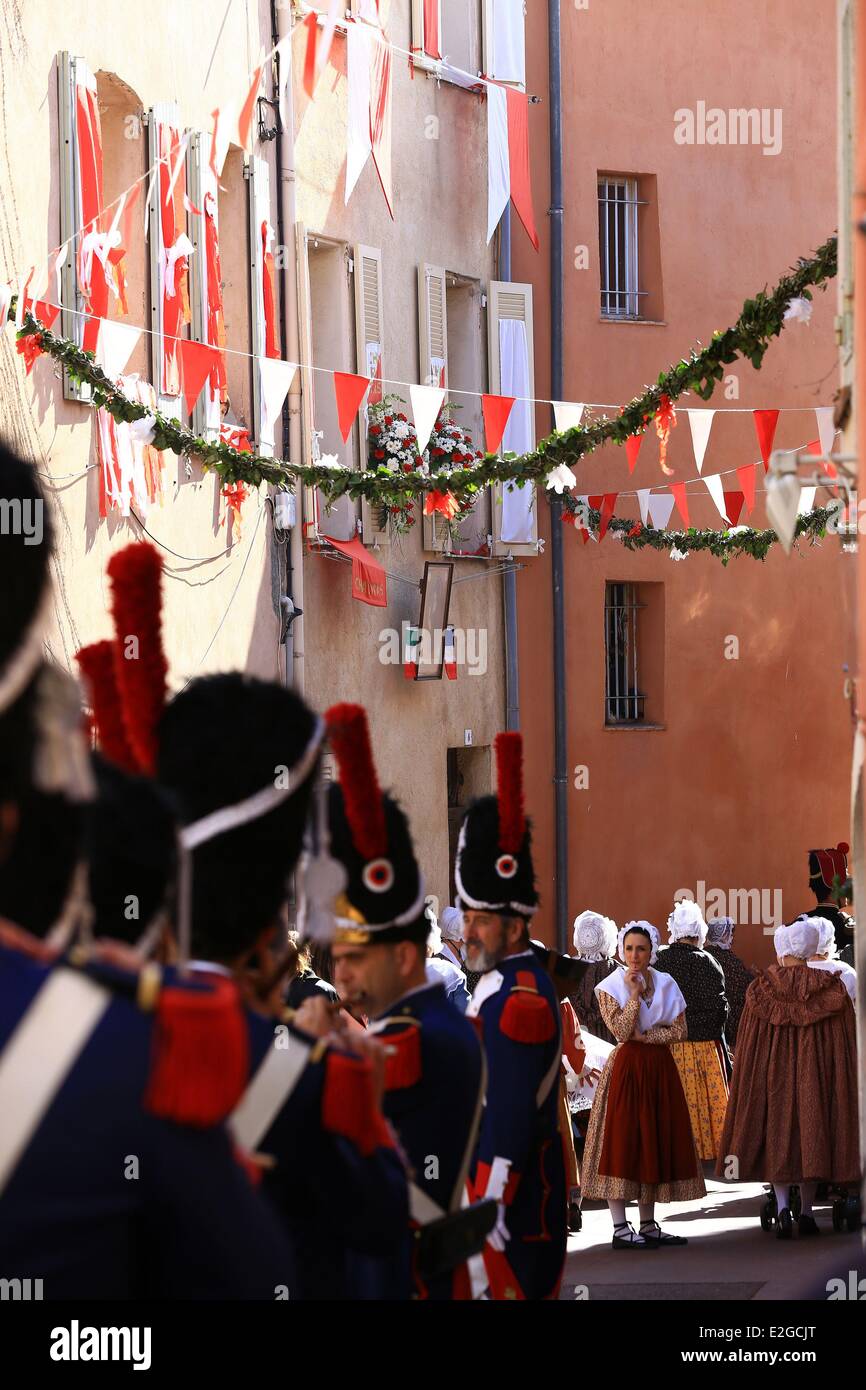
258,174
70,72
433,363
369,338
305,341
163,113
207,413
510,300
495,14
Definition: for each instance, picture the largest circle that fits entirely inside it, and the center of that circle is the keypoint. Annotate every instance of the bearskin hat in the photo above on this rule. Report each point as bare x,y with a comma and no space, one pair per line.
494,870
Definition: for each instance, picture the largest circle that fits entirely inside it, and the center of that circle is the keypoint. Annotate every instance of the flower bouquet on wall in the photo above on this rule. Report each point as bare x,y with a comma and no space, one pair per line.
451,448
393,448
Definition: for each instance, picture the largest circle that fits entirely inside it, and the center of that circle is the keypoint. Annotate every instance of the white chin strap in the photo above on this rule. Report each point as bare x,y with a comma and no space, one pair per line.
230,818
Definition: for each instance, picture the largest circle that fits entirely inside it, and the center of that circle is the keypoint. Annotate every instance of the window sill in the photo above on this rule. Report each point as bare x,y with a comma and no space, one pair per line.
647,323
639,726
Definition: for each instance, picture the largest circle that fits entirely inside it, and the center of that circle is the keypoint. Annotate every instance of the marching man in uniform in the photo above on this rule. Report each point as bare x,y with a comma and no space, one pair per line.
520,1159
434,1082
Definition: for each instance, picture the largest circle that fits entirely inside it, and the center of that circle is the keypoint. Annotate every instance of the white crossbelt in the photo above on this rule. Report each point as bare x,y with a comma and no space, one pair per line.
40,1055
268,1092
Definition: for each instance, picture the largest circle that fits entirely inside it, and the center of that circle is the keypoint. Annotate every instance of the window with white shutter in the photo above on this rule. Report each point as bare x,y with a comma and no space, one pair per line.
80,143
327,341
511,362
447,34
369,338
167,240
505,41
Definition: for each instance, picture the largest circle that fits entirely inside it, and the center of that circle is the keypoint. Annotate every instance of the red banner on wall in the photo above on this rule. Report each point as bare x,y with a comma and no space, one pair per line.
369,583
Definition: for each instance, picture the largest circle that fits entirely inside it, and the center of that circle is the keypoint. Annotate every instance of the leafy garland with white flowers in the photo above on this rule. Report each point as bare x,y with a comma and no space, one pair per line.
725,545
761,319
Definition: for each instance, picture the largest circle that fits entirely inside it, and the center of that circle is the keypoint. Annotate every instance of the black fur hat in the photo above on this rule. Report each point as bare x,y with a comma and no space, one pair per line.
494,870
384,898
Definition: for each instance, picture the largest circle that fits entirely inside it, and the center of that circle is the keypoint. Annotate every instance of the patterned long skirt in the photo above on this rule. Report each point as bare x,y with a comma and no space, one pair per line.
706,1090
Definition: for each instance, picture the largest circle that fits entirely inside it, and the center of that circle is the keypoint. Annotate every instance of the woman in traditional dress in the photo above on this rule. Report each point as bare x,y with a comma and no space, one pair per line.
640,1147
827,957
701,1057
595,943
738,976
792,1115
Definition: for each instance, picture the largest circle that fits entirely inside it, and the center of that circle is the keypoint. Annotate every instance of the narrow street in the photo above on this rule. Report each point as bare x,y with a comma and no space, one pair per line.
728,1255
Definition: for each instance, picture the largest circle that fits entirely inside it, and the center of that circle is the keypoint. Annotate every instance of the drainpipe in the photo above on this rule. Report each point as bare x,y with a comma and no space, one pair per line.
560,775
509,579
293,600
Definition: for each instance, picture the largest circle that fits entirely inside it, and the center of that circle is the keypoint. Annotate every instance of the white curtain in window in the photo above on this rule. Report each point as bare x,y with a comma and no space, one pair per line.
498,172
519,435
509,50
359,141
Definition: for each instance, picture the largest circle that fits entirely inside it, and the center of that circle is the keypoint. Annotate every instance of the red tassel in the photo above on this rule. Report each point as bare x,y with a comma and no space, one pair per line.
349,1104
136,600
402,1059
509,790
97,668
200,1063
349,734
527,1016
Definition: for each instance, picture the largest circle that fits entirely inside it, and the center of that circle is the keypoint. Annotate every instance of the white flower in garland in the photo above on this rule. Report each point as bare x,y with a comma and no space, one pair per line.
560,479
678,554
799,310
329,461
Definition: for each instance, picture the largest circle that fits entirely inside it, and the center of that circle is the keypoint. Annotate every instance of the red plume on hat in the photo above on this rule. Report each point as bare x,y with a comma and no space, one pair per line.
128,692
509,791
97,667
349,735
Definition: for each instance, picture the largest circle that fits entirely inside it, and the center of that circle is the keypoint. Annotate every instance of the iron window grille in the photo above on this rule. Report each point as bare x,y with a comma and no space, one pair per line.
618,247
624,700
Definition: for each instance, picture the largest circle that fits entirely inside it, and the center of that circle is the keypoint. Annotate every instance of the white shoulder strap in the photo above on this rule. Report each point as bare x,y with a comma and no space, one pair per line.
40,1055
268,1091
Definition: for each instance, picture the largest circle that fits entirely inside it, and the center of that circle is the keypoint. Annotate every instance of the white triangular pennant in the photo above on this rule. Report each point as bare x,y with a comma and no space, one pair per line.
359,144
426,404
643,497
115,345
276,377
498,169
807,500
826,427
716,489
661,504
567,414
783,503
700,423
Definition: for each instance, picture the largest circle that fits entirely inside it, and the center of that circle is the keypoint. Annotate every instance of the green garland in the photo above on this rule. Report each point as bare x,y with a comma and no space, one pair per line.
761,319
725,545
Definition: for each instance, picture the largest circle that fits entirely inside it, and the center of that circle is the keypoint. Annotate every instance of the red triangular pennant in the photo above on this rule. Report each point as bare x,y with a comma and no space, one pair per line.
679,492
518,160
607,505
734,505
496,411
632,449
595,502
746,476
349,390
197,362
41,310
765,427
312,26
246,116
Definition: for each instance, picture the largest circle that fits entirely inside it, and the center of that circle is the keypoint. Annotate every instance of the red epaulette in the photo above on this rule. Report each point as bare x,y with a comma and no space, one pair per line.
200,1062
402,1058
349,1104
527,1016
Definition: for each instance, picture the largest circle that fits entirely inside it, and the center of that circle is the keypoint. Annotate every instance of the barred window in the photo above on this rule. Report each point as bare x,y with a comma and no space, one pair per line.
618,203
625,702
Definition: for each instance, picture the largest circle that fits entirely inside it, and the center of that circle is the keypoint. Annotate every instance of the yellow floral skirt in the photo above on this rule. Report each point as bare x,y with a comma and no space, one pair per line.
706,1089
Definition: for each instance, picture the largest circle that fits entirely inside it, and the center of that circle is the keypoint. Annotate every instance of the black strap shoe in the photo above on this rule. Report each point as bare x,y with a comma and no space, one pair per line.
807,1226
625,1237
784,1224
655,1237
